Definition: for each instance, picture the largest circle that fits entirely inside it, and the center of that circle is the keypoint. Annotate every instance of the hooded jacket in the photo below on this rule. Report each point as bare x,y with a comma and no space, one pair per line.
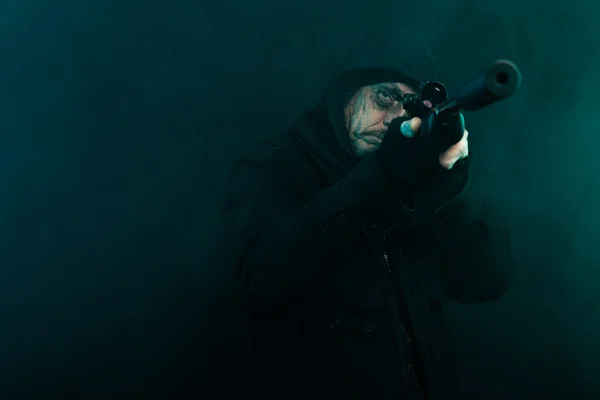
343,291
391,57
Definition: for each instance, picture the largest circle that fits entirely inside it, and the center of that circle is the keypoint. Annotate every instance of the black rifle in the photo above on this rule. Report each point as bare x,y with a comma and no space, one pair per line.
441,117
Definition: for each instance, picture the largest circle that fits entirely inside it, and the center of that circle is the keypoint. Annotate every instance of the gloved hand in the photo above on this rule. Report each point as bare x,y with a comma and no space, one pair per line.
414,166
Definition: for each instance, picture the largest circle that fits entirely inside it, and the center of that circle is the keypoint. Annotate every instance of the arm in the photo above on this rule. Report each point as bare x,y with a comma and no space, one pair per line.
280,242
473,249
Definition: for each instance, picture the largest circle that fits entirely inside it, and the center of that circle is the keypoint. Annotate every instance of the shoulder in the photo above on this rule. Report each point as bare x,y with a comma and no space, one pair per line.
282,154
277,162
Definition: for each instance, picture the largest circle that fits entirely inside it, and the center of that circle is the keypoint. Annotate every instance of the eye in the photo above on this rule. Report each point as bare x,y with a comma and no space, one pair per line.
385,97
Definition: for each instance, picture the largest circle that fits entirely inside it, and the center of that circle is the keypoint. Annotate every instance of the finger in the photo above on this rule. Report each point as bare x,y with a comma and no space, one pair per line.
411,127
448,158
457,152
459,147
406,129
465,148
415,124
447,162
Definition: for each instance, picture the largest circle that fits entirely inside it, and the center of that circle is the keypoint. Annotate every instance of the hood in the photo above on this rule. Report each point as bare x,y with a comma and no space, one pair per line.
396,56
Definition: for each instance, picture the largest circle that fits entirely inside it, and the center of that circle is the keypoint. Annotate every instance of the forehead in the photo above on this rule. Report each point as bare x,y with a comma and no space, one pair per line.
398,87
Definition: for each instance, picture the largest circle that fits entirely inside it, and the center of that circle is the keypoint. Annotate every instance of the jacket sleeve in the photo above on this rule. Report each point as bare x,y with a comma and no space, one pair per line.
472,245
280,241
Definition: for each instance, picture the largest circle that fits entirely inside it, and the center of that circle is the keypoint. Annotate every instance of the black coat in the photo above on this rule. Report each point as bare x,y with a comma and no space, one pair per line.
343,296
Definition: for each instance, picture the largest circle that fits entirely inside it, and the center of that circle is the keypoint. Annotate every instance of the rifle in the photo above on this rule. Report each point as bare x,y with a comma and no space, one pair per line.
441,116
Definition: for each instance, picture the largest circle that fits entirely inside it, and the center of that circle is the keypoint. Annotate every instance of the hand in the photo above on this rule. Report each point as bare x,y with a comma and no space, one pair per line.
418,167
449,157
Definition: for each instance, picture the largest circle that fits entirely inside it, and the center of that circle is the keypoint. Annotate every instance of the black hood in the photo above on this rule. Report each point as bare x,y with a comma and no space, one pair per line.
396,56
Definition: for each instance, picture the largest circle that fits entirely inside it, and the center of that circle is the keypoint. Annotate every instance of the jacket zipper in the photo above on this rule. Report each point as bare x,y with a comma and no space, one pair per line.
389,267
408,338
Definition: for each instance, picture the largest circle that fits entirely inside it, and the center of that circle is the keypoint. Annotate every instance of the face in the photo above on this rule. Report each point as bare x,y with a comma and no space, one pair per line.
369,113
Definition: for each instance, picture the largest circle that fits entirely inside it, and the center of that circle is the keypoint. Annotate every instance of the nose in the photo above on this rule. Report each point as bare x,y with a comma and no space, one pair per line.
401,112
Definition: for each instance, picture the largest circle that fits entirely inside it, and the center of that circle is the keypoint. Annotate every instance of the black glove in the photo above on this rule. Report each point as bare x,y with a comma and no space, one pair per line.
411,167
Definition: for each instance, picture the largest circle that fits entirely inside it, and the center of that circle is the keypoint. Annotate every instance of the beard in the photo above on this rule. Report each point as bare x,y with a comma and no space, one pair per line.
367,142
361,115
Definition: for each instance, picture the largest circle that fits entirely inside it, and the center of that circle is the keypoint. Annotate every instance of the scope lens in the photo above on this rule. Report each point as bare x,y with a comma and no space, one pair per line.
434,92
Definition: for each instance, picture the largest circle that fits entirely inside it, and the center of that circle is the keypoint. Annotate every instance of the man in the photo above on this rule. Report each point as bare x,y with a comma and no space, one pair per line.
344,229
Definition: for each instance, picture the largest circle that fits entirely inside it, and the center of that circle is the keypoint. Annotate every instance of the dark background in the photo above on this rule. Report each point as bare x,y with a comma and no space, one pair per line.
119,120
